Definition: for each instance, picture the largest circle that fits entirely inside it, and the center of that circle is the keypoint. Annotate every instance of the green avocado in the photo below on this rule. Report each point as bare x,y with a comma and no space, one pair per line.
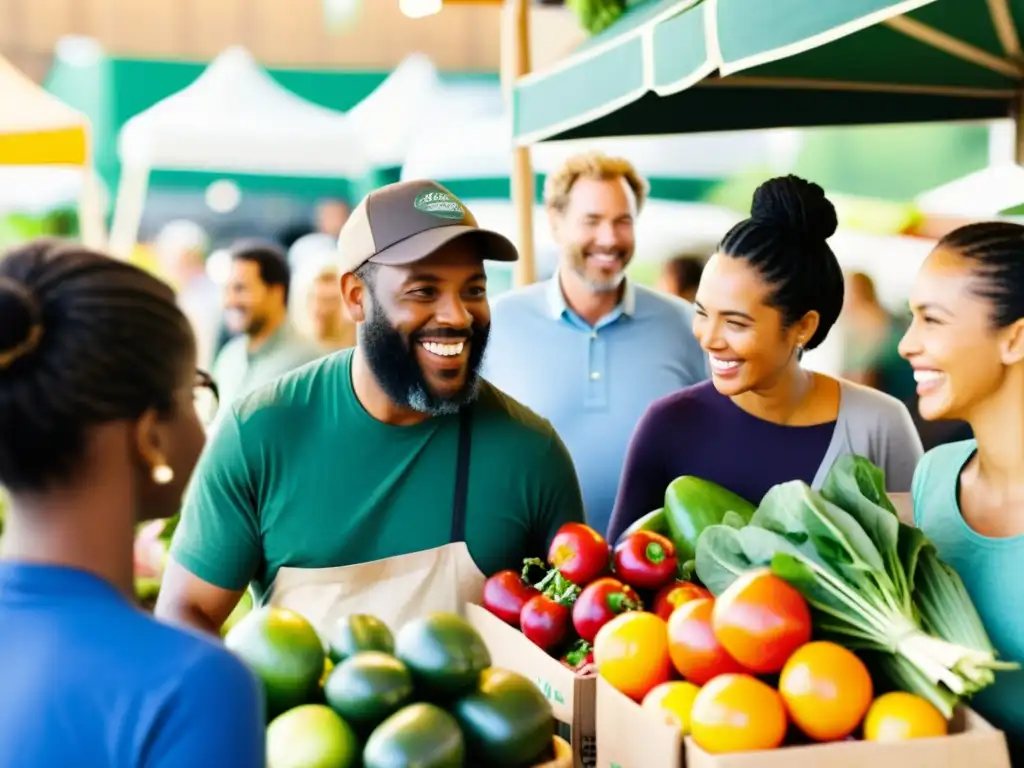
506,721
359,632
367,688
418,736
284,651
444,652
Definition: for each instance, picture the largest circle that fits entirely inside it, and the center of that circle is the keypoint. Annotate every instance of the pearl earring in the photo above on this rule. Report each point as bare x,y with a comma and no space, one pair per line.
162,474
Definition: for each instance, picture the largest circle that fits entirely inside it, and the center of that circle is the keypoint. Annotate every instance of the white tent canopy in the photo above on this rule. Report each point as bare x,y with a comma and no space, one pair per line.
388,119
236,118
233,118
480,147
985,193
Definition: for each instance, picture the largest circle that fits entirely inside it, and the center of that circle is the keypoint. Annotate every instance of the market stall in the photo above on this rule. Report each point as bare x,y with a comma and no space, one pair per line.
470,153
41,135
233,118
679,66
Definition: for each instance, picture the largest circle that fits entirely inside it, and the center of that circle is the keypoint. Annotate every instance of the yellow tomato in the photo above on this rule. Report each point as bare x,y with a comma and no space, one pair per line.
673,702
631,653
737,713
899,716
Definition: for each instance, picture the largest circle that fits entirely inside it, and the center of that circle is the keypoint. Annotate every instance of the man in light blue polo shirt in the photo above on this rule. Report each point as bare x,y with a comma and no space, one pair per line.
589,350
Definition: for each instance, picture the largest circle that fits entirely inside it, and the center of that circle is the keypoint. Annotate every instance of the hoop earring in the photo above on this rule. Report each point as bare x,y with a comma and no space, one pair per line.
162,474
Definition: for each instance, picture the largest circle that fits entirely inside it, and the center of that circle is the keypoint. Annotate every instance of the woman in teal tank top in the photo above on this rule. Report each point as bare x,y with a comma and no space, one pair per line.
966,345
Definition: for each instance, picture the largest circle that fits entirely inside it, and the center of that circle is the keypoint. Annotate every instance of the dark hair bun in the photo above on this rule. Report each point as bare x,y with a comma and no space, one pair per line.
795,205
20,317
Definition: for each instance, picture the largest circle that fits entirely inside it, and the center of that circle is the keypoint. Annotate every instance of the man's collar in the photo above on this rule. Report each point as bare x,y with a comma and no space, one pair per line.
558,305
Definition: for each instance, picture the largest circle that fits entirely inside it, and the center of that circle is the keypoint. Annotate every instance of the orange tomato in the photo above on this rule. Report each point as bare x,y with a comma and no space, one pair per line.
695,651
737,713
826,689
631,653
898,716
760,620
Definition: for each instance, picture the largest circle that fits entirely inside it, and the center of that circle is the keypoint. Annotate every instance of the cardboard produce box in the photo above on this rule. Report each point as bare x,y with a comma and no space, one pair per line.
572,696
628,737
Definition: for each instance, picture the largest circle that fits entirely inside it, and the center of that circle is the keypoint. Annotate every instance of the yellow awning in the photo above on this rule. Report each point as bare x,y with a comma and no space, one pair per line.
36,128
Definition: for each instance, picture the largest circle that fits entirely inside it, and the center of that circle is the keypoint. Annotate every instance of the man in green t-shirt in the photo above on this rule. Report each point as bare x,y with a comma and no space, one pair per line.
353,457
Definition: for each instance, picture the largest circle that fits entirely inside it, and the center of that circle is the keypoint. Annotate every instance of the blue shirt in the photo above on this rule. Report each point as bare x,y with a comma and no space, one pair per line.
593,383
990,569
87,679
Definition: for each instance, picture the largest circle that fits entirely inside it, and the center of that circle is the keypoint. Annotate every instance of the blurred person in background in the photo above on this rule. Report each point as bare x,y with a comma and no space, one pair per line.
181,248
332,328
871,335
316,306
98,433
266,344
589,349
680,276
331,215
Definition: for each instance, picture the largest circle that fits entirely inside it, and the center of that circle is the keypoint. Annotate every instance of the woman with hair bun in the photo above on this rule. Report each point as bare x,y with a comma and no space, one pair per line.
966,346
771,291
99,431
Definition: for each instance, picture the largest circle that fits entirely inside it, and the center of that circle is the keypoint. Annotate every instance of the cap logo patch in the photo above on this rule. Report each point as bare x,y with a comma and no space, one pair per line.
440,204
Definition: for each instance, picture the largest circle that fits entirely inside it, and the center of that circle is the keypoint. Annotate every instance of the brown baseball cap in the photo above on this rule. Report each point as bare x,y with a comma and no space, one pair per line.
407,221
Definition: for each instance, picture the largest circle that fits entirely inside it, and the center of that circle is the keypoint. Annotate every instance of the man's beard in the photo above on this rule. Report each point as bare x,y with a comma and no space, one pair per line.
578,262
392,360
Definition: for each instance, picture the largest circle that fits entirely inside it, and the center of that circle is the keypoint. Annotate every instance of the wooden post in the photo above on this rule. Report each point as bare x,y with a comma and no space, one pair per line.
516,63
1017,113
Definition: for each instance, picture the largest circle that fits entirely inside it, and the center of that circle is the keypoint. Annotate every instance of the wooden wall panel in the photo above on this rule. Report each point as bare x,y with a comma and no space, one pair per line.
463,37
209,26
137,27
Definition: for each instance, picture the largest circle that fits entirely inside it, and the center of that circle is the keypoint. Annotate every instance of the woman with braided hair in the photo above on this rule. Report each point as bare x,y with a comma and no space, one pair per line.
773,289
98,431
966,346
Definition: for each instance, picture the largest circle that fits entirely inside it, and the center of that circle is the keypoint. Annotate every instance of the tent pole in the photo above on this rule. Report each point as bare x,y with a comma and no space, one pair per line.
1018,128
516,36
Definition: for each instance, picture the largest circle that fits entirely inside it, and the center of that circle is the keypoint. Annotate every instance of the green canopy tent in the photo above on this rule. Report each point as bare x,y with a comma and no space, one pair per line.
672,66
680,66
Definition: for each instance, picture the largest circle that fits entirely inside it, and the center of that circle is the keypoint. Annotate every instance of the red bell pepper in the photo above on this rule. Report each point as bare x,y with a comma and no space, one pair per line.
579,552
546,619
645,560
505,594
600,602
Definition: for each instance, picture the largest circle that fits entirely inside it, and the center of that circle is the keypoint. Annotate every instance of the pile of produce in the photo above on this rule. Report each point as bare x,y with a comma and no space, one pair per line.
827,619
876,585
561,603
426,697
740,672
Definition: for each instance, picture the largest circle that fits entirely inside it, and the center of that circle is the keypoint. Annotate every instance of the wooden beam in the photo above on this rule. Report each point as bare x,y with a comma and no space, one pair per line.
515,62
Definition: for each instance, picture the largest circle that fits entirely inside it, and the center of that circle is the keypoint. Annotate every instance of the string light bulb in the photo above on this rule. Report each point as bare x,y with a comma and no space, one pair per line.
417,9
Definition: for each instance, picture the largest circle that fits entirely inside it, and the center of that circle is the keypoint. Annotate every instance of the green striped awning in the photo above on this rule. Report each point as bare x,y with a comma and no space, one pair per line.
675,66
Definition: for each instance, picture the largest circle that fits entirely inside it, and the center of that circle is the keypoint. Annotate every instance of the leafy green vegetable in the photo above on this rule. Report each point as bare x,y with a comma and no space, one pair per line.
873,583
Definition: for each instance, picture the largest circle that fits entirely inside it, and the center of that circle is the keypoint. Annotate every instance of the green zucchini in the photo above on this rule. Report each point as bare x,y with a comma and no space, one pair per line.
691,505
653,521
